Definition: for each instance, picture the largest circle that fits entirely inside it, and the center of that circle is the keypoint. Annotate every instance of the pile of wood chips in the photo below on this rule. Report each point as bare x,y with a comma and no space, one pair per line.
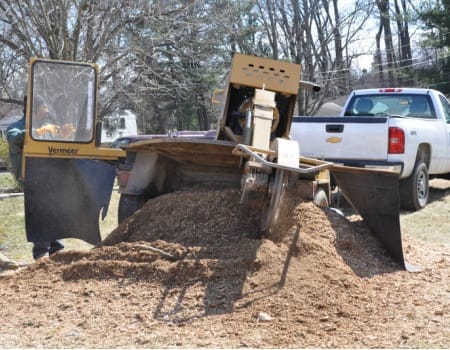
191,270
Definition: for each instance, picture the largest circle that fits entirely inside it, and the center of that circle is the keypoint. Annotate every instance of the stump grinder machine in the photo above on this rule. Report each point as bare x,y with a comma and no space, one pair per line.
69,178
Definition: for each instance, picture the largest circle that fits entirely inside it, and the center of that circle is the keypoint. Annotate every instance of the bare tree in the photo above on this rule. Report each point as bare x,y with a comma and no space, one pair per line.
404,42
402,19
12,77
378,57
163,58
154,56
82,30
385,26
61,29
178,51
318,36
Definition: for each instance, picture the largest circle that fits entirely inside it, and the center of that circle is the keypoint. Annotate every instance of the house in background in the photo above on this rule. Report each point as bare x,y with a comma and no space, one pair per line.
118,125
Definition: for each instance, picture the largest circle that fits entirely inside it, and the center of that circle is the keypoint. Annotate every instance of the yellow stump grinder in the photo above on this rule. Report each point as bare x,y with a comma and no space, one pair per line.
69,177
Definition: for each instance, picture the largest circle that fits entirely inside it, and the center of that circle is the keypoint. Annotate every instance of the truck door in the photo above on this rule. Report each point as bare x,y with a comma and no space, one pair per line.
68,177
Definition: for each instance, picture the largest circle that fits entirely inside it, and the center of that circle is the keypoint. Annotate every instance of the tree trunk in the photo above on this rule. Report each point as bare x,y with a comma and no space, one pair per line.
383,6
378,58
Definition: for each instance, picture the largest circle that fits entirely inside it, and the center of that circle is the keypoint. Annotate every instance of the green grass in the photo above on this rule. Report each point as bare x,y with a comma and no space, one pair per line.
12,230
7,182
431,224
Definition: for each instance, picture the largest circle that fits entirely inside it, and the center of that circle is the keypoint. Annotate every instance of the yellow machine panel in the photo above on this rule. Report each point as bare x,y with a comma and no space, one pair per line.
260,72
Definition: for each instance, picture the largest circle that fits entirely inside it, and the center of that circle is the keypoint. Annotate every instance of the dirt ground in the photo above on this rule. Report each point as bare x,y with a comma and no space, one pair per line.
188,270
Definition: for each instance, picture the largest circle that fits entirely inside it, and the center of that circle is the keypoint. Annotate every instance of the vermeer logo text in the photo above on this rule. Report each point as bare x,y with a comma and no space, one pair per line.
52,150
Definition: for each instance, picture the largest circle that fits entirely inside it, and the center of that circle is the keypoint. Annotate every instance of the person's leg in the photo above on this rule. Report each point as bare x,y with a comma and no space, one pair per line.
40,249
55,246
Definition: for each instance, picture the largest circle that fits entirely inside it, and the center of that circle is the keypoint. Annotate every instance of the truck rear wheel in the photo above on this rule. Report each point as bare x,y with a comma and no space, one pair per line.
128,205
414,190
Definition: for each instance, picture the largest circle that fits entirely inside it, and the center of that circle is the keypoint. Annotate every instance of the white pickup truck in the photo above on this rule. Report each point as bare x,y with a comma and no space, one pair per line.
406,130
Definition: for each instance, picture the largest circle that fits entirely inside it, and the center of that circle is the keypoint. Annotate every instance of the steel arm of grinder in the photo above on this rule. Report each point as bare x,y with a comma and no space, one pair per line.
241,149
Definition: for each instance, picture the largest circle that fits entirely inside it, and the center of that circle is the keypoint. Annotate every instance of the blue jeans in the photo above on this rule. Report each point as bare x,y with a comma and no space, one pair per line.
44,248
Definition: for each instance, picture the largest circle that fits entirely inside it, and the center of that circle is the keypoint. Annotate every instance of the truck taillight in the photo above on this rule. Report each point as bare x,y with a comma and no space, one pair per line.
396,141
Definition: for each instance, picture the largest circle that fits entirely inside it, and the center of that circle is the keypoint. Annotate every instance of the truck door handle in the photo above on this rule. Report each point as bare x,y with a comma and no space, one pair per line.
334,127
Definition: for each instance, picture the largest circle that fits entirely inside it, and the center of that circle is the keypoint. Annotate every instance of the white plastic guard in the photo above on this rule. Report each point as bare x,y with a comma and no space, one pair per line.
288,152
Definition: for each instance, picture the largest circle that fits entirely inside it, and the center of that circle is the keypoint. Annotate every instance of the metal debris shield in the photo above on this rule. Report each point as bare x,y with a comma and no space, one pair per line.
375,196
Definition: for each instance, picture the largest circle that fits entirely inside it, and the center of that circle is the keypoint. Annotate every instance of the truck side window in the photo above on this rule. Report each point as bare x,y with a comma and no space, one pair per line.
446,108
420,107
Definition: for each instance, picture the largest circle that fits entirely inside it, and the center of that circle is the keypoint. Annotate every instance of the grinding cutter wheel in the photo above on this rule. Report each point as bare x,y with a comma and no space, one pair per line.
274,198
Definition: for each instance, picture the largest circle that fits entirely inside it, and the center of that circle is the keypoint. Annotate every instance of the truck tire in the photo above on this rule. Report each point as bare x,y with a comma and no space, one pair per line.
128,205
414,190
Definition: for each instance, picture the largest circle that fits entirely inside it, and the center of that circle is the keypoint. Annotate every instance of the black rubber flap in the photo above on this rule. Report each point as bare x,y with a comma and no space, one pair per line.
375,196
64,197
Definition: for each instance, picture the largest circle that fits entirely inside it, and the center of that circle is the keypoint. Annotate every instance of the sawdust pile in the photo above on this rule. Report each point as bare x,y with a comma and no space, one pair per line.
190,270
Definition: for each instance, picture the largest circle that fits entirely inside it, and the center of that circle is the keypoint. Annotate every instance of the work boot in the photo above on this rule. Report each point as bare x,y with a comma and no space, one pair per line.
40,249
40,255
55,246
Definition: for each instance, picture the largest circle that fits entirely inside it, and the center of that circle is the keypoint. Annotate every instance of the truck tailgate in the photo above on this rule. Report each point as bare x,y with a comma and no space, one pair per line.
341,138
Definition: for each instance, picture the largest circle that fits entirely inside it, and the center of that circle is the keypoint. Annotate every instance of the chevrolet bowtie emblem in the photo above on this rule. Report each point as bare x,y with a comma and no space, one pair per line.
334,139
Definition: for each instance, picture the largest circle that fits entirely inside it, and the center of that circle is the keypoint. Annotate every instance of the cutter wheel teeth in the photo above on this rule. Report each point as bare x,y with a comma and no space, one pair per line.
270,212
